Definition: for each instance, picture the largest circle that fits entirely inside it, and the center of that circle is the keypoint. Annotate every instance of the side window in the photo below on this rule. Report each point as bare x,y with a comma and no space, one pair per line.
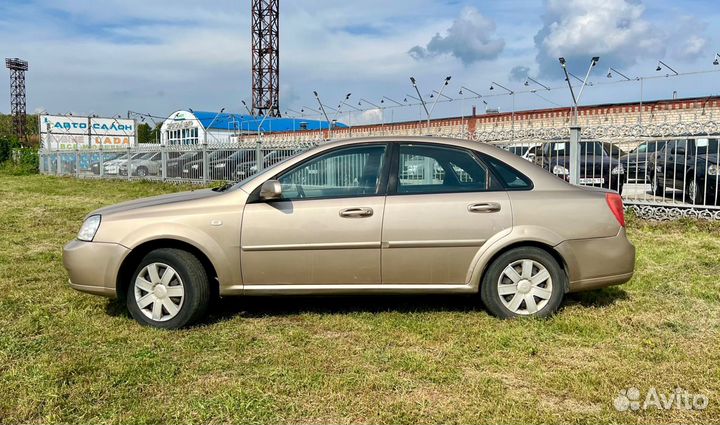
511,178
346,172
434,169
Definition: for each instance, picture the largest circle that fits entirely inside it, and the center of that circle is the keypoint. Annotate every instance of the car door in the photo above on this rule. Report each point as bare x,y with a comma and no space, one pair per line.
443,204
326,228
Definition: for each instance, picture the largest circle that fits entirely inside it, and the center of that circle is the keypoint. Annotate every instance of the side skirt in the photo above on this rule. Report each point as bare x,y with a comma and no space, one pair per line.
347,289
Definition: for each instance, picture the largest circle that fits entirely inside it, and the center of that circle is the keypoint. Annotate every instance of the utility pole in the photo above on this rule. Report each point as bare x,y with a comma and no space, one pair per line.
265,30
18,105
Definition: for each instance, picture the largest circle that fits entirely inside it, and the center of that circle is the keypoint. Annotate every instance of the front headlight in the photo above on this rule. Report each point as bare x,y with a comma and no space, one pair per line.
619,169
89,228
560,170
713,170
195,166
220,165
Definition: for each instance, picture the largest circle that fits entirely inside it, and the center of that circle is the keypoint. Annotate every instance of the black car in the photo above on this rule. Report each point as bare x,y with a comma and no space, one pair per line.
194,169
635,162
247,169
176,165
597,167
688,167
224,168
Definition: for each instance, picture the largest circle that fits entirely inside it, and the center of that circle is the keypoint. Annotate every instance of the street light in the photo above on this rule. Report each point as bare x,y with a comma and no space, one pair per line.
492,87
716,61
574,176
322,108
536,82
246,108
417,90
611,70
660,67
471,91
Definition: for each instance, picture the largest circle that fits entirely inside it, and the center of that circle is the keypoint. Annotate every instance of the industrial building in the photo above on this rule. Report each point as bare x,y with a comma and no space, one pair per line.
189,127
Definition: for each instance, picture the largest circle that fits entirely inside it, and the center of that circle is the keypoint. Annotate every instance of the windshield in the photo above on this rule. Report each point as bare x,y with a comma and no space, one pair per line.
649,147
706,146
219,154
586,148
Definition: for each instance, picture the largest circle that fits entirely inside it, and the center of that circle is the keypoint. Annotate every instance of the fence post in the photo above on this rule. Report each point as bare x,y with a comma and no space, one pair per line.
258,155
77,161
101,162
58,163
206,163
574,165
127,163
163,162
41,159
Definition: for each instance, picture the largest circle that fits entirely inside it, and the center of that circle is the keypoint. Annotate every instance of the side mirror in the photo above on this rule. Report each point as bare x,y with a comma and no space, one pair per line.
271,190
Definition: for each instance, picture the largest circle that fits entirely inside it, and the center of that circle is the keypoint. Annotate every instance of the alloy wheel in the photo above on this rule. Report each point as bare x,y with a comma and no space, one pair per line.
525,287
159,292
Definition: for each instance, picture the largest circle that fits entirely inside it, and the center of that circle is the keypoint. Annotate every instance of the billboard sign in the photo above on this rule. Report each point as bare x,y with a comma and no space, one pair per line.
69,132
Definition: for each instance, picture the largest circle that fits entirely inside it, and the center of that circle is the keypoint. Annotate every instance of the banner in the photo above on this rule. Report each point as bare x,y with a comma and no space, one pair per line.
70,132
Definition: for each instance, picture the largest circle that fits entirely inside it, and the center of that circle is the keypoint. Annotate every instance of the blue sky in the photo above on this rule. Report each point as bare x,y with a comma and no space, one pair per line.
111,56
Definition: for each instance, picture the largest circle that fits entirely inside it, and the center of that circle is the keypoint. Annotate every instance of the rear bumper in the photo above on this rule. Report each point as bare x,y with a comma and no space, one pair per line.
598,262
93,266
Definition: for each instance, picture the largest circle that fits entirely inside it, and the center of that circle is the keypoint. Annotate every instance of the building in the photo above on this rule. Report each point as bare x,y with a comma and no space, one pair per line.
197,127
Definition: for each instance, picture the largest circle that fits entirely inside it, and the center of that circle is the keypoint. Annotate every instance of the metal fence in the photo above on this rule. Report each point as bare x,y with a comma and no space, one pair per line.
662,171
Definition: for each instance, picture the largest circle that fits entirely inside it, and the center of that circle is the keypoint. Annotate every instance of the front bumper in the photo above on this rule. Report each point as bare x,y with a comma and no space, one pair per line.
598,262
93,266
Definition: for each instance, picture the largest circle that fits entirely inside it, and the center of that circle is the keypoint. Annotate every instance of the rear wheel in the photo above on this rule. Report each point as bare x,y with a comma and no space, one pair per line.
523,282
142,172
169,289
655,186
694,191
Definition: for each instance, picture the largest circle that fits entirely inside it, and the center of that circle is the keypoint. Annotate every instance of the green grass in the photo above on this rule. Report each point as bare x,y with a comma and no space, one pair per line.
67,357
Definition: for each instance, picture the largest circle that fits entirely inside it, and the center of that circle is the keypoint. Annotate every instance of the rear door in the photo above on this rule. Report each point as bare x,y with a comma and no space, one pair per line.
442,205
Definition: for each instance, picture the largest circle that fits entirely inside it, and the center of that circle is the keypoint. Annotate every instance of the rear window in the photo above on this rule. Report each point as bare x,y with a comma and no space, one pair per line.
511,178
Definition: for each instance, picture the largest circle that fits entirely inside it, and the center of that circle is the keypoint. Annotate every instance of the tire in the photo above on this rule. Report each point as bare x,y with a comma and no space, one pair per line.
547,294
656,187
141,172
694,191
191,300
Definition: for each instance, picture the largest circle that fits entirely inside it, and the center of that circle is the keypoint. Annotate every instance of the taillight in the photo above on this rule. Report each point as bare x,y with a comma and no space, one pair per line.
615,203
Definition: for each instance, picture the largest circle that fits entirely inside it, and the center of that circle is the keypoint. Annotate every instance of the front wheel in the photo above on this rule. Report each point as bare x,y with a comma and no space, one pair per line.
694,191
655,186
523,282
169,289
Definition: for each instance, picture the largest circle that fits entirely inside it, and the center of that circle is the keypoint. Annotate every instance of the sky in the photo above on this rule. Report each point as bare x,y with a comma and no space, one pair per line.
106,57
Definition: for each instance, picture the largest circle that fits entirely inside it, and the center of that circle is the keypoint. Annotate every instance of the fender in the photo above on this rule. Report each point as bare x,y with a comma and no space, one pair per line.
500,241
228,269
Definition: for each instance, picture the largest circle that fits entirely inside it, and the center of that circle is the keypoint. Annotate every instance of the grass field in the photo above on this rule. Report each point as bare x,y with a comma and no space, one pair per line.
66,357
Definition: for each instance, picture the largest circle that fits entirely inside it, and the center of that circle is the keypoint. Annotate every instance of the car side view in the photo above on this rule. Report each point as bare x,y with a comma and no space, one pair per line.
402,215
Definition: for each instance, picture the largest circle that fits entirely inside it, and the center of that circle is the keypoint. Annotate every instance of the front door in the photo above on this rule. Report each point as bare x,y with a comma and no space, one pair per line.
442,206
326,228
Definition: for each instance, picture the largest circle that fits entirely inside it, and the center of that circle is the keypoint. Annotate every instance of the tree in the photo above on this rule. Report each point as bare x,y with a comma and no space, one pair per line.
144,133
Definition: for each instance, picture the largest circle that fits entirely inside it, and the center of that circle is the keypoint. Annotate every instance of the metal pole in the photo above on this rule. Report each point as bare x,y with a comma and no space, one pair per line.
574,155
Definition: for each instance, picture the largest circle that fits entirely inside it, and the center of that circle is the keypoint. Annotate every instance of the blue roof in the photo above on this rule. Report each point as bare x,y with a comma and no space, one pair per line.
250,123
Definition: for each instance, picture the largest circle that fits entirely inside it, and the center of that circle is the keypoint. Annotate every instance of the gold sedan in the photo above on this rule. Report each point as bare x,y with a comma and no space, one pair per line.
375,215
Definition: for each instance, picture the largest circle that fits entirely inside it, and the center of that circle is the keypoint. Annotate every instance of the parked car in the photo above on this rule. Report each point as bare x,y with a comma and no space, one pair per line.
112,167
176,164
523,150
516,234
247,169
147,164
194,169
635,162
224,169
688,167
597,167
106,157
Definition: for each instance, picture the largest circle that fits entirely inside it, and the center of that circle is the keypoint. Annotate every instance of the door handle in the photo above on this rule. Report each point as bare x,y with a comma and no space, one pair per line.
485,207
356,212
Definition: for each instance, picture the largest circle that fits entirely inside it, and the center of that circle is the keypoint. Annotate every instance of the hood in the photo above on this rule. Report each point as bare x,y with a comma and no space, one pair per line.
155,201
710,158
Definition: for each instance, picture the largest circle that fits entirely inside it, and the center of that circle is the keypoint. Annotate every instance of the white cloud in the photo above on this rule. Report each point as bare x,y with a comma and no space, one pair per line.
616,30
471,38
